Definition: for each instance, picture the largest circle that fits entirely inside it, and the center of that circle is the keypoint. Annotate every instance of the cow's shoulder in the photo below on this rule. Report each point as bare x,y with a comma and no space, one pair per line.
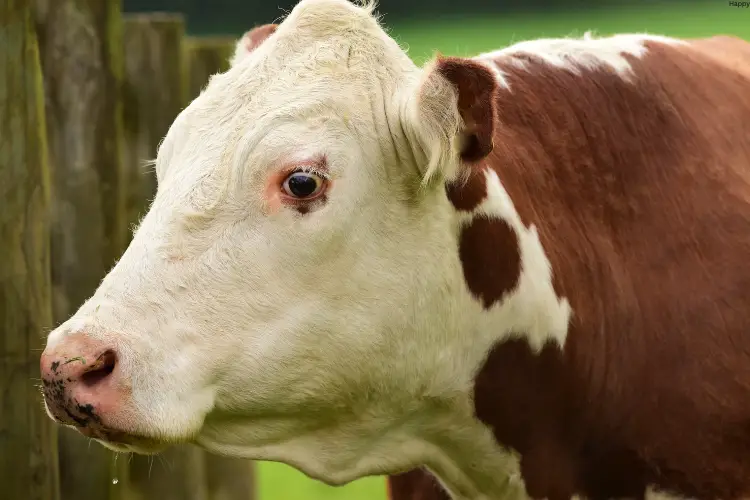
630,157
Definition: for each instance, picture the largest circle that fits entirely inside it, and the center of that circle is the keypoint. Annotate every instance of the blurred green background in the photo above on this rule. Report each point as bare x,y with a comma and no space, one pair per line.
458,28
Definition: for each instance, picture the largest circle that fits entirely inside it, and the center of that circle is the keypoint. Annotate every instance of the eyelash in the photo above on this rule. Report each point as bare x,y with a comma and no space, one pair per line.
310,169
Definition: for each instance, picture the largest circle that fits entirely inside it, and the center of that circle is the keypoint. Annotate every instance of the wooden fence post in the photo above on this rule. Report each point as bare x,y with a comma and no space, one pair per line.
230,478
28,446
175,474
80,47
155,91
207,56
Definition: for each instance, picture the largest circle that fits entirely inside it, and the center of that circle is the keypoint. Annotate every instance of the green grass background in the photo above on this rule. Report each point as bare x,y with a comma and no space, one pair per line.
468,36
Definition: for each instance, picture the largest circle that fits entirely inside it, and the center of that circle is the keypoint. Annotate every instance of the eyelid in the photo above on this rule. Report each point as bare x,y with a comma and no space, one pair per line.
311,169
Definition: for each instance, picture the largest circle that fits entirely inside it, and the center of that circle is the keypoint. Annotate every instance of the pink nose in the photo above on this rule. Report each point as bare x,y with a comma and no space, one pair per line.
77,380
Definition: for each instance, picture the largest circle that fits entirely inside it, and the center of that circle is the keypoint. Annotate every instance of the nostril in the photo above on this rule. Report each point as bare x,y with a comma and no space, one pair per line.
100,369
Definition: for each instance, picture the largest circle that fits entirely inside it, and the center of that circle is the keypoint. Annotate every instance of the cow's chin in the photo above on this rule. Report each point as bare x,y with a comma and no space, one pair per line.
124,442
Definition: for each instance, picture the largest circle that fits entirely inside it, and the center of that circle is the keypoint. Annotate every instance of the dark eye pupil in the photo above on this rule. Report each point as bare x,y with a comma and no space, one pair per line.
302,186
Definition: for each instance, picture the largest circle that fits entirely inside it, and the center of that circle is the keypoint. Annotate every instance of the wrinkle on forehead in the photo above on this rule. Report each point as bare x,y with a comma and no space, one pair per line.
219,168
317,65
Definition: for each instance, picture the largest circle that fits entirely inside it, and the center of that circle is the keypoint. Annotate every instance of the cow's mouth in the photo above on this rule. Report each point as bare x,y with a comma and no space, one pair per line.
122,441
114,439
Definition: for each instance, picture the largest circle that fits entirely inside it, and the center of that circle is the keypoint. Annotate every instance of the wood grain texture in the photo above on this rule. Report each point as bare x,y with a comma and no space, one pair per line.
155,91
230,478
81,55
178,473
28,450
207,56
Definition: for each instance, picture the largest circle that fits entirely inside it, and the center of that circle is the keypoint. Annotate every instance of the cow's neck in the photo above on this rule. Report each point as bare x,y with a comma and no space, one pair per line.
516,324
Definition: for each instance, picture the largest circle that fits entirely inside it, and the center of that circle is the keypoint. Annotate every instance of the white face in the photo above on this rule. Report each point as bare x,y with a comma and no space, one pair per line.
245,315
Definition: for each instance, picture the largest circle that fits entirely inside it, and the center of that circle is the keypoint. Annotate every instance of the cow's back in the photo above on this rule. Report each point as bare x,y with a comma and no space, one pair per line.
732,52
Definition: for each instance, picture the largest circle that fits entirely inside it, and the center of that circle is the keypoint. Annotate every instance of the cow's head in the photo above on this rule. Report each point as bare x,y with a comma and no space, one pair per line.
295,291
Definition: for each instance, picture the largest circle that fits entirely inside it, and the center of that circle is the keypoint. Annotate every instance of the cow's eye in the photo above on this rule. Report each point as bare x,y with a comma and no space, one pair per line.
303,185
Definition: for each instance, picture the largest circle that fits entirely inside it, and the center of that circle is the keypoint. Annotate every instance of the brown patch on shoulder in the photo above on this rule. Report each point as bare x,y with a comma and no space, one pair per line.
490,257
417,484
466,194
519,394
533,404
256,36
476,86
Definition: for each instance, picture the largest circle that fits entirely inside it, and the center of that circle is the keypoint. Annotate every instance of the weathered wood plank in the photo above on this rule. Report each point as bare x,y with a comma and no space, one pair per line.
28,449
81,55
230,478
207,56
176,474
155,91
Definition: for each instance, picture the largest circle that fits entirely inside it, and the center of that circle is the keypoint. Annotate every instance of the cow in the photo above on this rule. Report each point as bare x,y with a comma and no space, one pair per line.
522,274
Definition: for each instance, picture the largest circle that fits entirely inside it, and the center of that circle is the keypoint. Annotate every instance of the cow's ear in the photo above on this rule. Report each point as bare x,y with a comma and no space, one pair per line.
452,114
251,40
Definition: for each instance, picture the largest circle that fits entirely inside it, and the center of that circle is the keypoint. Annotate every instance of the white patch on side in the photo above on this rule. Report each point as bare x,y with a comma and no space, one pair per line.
588,52
533,309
